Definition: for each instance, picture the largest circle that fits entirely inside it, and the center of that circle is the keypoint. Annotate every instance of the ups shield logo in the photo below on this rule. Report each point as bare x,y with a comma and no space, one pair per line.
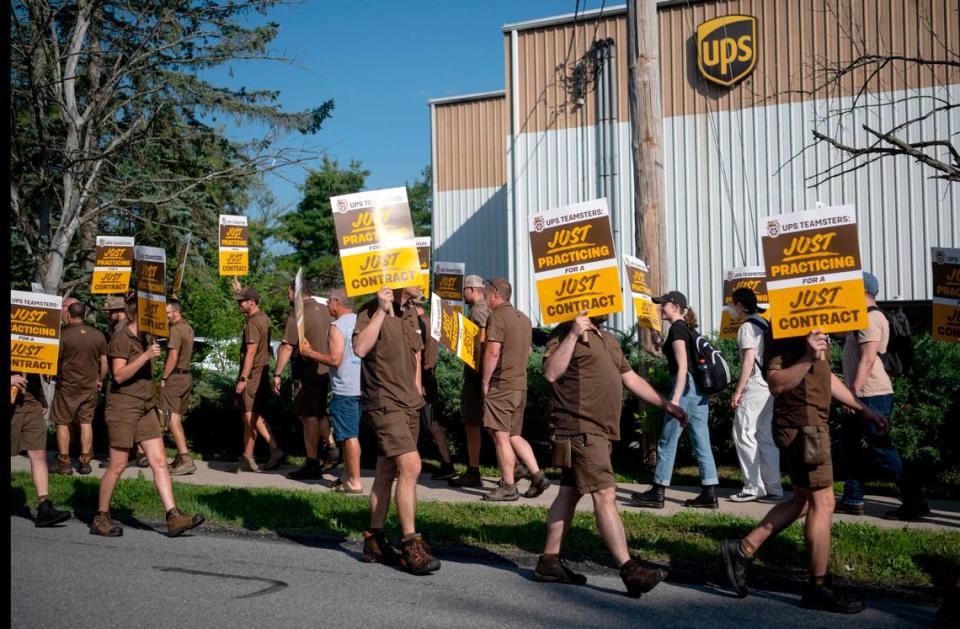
726,48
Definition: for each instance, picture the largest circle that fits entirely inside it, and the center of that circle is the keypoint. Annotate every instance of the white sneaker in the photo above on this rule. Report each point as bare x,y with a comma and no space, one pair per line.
743,496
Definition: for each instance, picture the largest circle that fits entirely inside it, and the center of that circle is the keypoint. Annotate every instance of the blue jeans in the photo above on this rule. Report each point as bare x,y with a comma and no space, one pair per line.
697,409
345,412
879,450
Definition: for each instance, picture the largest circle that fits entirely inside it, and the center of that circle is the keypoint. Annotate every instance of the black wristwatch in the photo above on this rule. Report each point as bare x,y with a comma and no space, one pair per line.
243,378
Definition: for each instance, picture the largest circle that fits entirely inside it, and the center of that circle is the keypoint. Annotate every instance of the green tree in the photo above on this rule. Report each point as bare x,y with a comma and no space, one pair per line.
111,121
420,196
309,229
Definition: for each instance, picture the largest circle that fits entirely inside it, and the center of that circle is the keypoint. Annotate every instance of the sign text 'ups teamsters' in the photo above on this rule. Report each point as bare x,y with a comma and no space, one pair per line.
946,294
814,277
34,332
752,277
234,245
647,314
574,263
113,265
376,242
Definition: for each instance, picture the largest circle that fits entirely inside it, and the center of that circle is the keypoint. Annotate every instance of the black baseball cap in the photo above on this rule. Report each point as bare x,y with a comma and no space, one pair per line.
674,297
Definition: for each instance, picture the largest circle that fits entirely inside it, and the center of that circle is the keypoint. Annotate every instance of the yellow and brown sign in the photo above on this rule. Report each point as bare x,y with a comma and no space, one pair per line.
234,245
448,281
946,294
752,277
446,323
375,237
34,332
113,265
646,310
423,251
467,343
814,277
574,263
152,290
727,48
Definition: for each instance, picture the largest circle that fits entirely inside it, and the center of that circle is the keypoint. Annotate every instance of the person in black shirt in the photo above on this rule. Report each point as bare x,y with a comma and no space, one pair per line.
681,360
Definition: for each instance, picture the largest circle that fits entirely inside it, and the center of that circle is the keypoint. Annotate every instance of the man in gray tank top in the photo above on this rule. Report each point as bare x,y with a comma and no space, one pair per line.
345,386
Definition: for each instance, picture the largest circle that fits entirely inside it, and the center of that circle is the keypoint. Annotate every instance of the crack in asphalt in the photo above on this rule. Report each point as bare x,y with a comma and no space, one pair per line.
275,586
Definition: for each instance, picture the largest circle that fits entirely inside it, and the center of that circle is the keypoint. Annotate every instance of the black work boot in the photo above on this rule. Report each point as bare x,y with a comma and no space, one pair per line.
652,498
830,598
48,516
706,500
736,563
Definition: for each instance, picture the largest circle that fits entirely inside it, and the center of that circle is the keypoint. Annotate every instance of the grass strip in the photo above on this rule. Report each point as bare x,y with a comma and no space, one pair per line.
861,552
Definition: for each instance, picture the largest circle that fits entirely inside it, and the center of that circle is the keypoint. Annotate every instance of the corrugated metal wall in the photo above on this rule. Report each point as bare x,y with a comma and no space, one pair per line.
735,154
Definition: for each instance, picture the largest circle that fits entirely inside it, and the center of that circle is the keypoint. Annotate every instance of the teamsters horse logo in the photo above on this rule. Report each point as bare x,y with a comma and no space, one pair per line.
538,224
727,48
342,206
773,228
941,257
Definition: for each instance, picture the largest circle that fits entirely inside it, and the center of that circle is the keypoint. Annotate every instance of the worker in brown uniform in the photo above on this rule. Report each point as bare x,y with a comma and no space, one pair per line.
471,397
310,400
115,308
131,418
504,387
587,371
28,433
82,368
176,383
387,340
253,382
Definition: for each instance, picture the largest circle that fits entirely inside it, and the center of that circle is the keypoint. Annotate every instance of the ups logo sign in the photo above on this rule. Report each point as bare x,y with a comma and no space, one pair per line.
726,48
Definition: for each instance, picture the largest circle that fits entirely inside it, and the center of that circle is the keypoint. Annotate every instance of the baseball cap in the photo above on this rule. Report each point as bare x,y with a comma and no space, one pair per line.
473,281
674,297
502,286
248,293
870,283
113,303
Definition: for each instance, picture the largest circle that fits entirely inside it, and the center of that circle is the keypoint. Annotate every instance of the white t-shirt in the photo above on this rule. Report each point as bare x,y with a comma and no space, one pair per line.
750,336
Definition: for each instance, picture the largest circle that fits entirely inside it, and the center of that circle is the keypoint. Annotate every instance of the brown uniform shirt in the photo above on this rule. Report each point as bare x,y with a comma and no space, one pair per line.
513,330
807,404
316,327
257,331
181,339
388,371
125,345
31,400
588,397
430,345
81,347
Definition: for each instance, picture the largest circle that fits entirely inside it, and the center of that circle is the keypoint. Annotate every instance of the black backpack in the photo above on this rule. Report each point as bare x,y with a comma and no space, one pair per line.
898,359
715,376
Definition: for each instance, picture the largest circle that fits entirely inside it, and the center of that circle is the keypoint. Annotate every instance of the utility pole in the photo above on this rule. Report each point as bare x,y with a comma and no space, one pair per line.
646,122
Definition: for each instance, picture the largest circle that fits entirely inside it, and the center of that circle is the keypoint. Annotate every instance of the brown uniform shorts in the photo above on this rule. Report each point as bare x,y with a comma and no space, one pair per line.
256,393
471,403
591,470
311,398
790,442
130,420
503,410
397,430
28,432
175,394
71,405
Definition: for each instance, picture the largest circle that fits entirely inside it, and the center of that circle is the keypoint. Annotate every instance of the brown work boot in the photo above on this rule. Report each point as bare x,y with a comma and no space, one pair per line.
553,569
182,464
416,557
470,478
104,525
275,459
178,522
502,493
538,484
640,580
84,464
246,464
376,549
63,466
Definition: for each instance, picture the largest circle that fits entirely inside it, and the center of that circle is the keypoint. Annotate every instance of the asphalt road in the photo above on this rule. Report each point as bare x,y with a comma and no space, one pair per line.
65,576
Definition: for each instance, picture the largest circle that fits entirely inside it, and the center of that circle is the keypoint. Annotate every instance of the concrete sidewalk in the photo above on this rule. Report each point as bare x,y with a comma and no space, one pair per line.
945,514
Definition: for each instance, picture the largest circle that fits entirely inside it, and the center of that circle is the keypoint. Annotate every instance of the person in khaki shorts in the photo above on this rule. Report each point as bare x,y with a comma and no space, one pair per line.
471,397
798,373
253,382
587,370
28,433
310,400
176,385
131,418
387,340
504,387
82,367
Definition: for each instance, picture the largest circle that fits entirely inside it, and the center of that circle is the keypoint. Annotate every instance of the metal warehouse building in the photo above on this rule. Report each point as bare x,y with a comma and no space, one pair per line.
560,133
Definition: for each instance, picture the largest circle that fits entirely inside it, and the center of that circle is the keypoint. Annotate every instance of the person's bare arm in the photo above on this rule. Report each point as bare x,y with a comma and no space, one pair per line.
104,368
642,389
419,373
283,357
247,366
491,356
337,347
747,358
680,351
786,379
557,362
843,395
171,364
124,369
868,354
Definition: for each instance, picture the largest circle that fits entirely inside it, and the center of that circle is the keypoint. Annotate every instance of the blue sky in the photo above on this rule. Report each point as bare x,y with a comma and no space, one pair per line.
381,61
